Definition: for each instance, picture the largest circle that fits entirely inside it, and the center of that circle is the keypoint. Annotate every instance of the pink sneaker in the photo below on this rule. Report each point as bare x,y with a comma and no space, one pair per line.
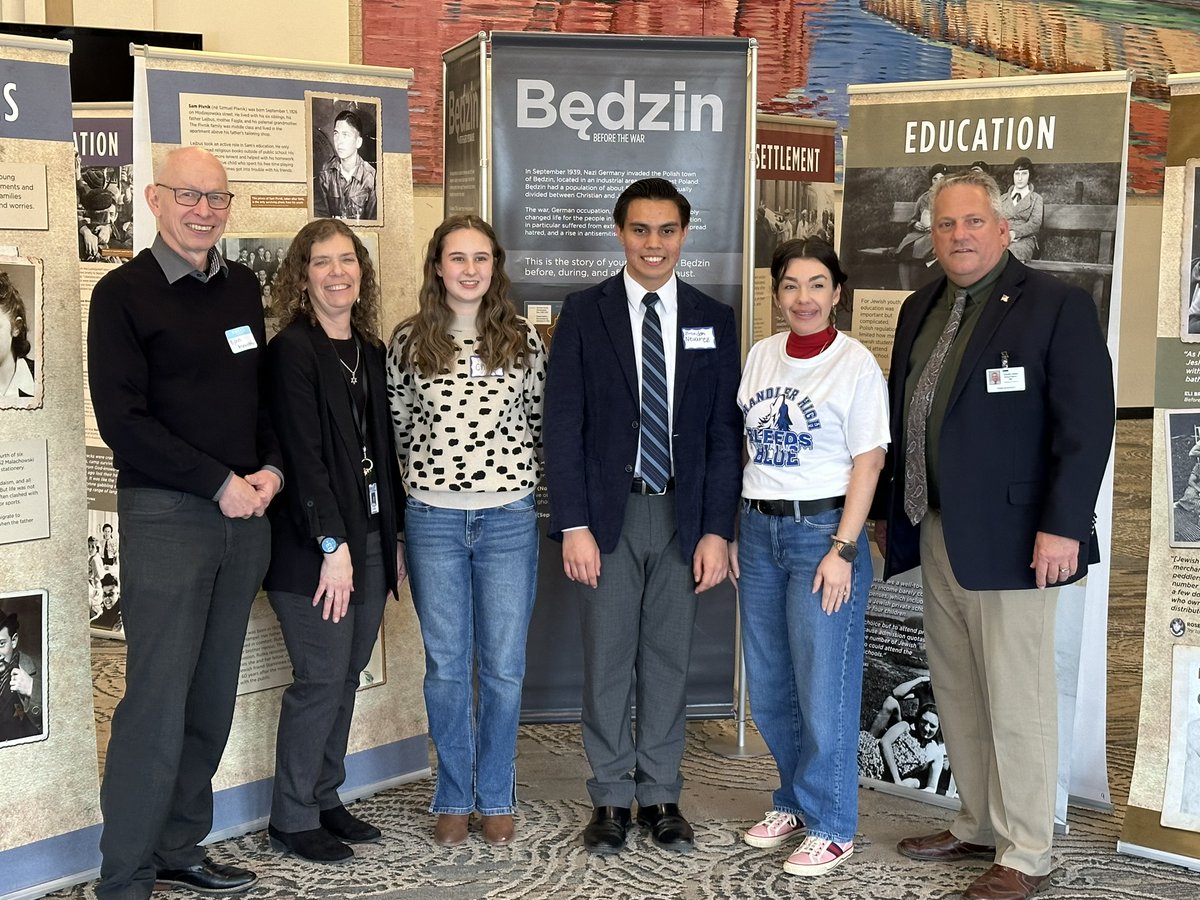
817,856
772,831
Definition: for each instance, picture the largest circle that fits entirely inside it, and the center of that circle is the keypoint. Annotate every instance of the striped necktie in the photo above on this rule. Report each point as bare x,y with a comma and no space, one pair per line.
656,442
916,480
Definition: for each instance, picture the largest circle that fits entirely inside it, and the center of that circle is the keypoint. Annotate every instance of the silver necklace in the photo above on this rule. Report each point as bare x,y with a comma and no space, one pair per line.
357,359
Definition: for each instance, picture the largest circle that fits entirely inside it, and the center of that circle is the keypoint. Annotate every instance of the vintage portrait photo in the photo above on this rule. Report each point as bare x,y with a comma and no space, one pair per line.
1189,281
1183,476
1181,798
22,667
104,208
20,332
344,137
1062,219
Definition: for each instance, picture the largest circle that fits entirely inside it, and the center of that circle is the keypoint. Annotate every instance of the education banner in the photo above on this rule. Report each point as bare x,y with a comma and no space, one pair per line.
794,198
272,123
1068,133
575,119
1162,820
50,823
464,135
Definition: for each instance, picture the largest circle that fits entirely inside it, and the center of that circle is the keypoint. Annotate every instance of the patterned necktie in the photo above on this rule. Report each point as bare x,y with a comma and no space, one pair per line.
916,485
656,442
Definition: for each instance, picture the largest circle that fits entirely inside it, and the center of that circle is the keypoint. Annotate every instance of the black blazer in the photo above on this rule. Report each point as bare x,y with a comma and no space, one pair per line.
1016,463
593,412
322,459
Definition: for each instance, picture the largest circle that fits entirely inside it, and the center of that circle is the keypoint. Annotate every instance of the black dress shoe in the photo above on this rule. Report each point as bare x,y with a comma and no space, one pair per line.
668,828
315,845
606,832
208,877
345,826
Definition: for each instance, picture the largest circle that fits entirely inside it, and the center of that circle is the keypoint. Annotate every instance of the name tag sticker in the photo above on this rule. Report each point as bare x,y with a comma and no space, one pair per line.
699,338
241,338
478,371
1001,381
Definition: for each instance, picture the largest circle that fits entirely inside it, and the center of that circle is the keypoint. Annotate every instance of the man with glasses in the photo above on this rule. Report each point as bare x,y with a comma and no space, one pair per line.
175,341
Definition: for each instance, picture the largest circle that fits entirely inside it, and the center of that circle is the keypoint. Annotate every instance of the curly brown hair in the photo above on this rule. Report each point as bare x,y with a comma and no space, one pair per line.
289,291
502,340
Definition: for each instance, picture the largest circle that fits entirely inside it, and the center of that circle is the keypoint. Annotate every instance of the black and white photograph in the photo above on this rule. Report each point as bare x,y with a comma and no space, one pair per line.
900,738
104,573
1190,276
790,209
20,332
1183,476
344,153
1062,219
104,209
23,699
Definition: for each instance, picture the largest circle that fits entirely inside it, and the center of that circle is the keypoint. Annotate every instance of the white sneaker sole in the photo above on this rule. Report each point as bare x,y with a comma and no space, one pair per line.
810,870
770,843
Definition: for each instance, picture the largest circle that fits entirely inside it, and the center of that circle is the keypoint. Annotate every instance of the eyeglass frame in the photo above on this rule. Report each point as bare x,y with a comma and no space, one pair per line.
207,195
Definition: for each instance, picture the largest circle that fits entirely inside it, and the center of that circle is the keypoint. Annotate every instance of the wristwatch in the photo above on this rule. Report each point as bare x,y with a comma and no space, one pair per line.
847,550
329,544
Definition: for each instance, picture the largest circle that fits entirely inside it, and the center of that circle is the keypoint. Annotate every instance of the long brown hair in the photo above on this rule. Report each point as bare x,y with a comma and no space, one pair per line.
502,340
290,288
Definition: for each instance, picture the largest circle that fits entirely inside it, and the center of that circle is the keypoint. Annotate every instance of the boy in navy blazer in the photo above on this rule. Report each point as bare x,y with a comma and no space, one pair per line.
644,473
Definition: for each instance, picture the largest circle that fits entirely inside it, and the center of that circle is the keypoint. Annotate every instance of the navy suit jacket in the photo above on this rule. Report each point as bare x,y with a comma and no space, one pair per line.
593,411
1011,464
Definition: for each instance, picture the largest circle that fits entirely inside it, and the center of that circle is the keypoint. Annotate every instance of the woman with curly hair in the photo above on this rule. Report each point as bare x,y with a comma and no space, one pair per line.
16,369
465,377
335,556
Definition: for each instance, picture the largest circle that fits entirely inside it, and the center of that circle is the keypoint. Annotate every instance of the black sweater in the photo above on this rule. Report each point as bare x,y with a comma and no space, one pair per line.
179,408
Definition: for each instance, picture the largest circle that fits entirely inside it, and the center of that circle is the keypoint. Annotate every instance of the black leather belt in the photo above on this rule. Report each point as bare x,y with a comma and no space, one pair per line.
640,487
796,507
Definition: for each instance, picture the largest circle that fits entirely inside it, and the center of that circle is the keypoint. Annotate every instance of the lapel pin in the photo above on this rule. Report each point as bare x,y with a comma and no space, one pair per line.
1004,298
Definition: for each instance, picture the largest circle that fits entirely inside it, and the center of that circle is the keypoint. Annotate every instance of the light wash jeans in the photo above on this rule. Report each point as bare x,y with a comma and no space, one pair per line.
804,667
474,576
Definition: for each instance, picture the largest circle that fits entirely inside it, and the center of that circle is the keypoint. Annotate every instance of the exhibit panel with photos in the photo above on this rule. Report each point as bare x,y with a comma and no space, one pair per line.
675,108
47,730
1162,820
1056,147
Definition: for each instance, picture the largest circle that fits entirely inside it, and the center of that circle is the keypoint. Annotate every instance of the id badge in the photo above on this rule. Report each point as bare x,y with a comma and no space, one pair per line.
478,370
373,498
241,339
1002,381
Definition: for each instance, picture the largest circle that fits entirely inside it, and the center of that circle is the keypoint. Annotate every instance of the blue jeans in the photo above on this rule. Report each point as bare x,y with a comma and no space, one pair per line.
804,667
473,575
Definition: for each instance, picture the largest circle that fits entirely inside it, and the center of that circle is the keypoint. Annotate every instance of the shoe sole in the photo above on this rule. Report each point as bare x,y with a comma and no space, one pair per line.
811,871
604,850
770,843
161,885
288,851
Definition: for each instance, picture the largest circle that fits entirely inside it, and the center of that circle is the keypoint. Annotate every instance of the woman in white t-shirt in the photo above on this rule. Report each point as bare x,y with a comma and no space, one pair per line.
815,406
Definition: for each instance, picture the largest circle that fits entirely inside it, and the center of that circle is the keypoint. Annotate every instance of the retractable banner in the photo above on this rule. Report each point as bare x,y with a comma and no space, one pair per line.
1069,134
50,824
576,119
463,131
1162,820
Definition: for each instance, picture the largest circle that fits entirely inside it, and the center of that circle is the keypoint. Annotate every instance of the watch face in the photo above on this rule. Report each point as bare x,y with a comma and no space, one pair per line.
329,545
848,552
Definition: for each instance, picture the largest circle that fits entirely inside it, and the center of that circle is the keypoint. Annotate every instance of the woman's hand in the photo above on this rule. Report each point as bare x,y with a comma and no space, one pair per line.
735,571
833,581
336,583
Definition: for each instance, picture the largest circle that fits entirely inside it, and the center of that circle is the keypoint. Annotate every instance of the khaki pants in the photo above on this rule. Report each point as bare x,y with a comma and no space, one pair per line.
991,660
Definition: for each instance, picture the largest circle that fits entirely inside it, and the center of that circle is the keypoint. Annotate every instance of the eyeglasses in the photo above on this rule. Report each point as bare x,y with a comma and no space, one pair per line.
189,197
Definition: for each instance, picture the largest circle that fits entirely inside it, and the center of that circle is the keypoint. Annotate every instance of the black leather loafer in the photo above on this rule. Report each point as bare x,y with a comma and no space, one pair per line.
345,826
207,877
668,828
605,833
315,845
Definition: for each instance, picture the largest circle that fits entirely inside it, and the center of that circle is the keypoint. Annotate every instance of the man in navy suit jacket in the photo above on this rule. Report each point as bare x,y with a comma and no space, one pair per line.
640,552
1017,436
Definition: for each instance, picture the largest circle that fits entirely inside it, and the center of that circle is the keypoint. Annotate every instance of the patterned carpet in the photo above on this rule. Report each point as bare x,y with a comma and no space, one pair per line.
722,797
